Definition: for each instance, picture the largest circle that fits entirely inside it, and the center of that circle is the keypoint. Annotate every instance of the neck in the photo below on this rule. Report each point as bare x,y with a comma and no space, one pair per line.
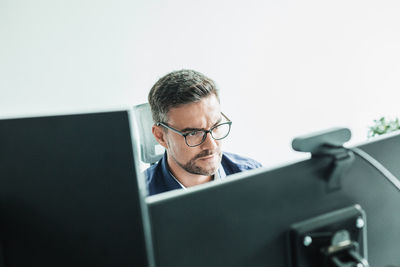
186,178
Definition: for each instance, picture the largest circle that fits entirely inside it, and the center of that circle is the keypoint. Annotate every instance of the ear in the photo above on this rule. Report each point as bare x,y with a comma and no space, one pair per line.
159,134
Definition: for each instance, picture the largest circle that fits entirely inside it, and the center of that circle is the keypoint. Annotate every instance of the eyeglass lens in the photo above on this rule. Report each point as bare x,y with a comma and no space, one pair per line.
197,137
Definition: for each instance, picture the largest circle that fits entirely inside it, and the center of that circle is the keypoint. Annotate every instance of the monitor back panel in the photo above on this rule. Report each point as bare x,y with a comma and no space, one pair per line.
68,192
244,222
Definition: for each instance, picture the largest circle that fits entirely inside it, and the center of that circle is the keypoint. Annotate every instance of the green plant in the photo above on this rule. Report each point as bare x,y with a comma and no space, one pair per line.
383,126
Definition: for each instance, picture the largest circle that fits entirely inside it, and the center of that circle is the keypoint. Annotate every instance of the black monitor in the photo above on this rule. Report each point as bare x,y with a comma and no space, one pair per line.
69,193
285,216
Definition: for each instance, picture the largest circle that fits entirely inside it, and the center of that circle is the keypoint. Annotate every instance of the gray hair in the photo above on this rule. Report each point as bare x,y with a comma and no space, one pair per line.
178,88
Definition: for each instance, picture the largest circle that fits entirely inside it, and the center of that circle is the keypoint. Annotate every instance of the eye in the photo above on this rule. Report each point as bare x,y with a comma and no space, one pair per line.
194,133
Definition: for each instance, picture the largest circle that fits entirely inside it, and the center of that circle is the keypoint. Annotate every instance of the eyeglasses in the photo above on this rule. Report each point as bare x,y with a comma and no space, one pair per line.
195,137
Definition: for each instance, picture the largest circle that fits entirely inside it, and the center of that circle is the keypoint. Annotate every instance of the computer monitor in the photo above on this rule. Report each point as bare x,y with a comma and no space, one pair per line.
255,218
69,192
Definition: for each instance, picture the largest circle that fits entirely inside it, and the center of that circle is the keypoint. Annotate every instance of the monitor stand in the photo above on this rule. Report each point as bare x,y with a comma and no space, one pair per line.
334,239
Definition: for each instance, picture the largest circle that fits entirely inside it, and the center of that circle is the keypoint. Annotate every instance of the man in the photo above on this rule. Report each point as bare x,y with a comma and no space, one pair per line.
189,124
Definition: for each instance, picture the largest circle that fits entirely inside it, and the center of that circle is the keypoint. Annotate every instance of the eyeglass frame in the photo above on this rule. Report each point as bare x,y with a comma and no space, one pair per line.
229,122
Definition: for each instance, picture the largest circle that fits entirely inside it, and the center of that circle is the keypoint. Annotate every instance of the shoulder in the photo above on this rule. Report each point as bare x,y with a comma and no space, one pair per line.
155,179
152,173
159,179
236,163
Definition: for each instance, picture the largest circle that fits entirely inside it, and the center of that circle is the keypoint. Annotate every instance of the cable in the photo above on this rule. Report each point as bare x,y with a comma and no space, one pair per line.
377,165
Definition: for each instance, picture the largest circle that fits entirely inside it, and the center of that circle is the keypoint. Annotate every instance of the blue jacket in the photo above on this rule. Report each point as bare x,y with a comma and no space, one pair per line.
159,179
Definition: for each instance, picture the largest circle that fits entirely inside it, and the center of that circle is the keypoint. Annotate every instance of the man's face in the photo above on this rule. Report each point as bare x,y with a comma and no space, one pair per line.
205,158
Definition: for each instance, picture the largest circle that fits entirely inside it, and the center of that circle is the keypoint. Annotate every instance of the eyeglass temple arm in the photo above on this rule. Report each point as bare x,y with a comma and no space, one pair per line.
225,116
169,127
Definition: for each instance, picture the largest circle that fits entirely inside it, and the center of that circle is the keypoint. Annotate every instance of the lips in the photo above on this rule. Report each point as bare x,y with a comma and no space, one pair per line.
208,157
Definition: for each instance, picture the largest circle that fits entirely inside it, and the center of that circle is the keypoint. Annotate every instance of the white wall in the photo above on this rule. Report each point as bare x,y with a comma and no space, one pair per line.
284,68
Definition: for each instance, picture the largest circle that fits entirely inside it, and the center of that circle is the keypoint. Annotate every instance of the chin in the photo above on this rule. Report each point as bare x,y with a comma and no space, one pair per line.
210,170
204,168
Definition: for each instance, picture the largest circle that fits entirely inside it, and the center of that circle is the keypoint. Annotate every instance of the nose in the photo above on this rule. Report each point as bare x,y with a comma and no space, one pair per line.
210,143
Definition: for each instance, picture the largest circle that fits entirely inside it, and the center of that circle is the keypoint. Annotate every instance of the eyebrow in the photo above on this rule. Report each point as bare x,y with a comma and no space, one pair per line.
201,129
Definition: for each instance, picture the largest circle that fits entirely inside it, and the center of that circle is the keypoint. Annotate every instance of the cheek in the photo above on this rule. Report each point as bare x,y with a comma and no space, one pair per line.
181,151
219,144
189,153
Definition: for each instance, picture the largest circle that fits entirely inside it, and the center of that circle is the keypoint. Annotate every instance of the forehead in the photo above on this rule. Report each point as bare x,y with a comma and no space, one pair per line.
201,114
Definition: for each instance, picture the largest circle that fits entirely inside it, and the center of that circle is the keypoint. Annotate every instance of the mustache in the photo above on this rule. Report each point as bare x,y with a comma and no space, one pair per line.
205,153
